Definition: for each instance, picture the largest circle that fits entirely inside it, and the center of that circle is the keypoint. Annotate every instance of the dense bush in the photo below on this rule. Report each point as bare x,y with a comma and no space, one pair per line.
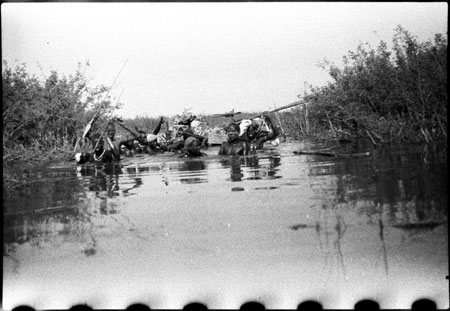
398,96
40,116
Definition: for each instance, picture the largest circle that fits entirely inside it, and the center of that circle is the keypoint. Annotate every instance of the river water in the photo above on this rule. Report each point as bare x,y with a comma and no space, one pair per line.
276,228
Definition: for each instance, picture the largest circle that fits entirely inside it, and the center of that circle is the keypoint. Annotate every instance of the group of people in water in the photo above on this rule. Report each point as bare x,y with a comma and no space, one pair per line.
248,136
243,138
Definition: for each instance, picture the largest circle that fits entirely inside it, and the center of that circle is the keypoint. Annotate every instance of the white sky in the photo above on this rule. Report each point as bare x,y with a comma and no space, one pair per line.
210,57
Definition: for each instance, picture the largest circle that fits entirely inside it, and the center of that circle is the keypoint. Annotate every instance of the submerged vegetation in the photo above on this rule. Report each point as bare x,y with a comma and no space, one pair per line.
397,96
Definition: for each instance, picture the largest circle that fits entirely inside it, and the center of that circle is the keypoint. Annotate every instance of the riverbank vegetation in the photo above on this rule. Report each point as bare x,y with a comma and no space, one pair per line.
42,119
397,96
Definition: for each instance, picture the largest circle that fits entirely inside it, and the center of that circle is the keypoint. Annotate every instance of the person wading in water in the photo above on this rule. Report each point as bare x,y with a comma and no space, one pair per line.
143,142
192,147
234,146
105,147
258,132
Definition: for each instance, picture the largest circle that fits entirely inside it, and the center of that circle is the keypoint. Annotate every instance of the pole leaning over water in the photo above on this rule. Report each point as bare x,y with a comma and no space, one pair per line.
97,115
297,103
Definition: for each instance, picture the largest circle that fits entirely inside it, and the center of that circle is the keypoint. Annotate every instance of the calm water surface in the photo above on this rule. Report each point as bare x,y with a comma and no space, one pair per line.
276,227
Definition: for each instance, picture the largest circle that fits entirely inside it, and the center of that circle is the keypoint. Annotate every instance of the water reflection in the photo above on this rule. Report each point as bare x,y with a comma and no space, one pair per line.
134,175
103,181
353,200
49,213
51,226
261,171
383,245
37,210
196,171
101,205
330,229
253,169
408,189
234,163
393,189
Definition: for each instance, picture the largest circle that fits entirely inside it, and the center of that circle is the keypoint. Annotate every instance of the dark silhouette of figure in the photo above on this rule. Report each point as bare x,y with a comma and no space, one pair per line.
256,134
233,145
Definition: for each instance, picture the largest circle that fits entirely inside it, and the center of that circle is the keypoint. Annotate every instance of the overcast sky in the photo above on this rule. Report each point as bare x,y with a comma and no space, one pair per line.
209,57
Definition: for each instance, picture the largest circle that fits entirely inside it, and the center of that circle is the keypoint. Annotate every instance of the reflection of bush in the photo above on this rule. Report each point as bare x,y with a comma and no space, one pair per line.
37,209
398,184
48,211
76,226
50,188
44,230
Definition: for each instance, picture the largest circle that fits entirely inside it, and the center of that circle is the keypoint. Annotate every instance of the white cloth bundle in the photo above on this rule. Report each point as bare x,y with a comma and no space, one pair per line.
244,125
195,124
275,142
160,138
151,137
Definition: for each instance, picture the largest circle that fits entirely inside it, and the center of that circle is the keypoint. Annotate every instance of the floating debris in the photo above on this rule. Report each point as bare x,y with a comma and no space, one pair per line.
266,188
299,226
237,189
325,154
332,155
89,251
418,225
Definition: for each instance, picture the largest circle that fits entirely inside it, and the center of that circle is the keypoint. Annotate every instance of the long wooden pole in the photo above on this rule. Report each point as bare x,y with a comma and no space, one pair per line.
97,115
297,103
192,134
126,128
279,121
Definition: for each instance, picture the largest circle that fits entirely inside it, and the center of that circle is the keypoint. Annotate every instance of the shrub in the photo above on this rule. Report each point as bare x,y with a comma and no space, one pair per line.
398,96
41,116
